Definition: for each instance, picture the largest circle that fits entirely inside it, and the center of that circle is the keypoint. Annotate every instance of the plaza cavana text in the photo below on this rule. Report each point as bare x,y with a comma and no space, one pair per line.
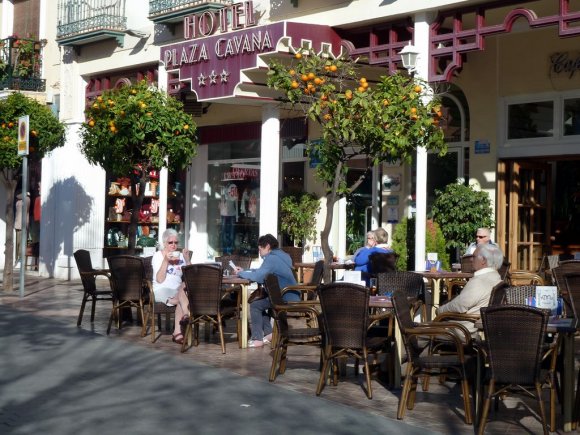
247,42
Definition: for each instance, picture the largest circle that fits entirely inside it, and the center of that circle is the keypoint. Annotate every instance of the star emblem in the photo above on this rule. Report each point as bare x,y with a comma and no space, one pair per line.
224,76
201,80
213,78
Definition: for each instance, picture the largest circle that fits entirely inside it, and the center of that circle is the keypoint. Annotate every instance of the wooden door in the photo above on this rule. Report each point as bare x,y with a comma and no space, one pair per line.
524,211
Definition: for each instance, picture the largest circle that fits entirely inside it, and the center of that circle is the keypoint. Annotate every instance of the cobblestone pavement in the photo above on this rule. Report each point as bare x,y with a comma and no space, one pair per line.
439,410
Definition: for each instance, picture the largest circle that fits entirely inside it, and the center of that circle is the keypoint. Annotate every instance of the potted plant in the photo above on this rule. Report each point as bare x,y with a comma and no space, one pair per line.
298,220
404,243
460,210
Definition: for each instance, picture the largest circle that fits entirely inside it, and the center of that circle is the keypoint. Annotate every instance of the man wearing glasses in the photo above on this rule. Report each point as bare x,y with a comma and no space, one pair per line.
483,236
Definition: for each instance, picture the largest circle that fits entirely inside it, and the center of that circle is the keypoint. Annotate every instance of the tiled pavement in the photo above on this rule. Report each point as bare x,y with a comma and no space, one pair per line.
440,409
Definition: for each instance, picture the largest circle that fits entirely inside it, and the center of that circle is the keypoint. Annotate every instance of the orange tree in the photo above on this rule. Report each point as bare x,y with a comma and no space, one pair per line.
46,133
134,129
382,121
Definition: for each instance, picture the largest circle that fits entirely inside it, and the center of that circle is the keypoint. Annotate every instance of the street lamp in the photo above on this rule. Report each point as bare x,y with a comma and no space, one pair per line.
409,55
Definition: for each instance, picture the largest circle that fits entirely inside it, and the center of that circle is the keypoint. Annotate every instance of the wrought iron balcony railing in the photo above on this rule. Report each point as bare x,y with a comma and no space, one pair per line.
21,64
167,11
84,21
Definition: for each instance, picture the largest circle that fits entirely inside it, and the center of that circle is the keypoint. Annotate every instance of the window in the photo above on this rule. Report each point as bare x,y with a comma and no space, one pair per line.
571,117
529,120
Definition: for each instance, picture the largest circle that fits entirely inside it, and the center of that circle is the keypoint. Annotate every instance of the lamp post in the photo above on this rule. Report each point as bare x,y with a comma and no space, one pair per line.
409,56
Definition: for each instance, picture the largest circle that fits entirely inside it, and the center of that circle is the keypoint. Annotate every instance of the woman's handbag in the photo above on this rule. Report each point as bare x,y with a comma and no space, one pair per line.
259,293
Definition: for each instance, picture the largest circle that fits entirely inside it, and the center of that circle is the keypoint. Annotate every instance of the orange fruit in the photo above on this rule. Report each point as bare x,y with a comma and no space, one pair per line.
304,77
365,85
413,110
113,128
186,127
291,72
324,97
361,89
317,81
294,84
91,123
311,76
298,55
363,80
326,68
34,133
333,68
418,89
328,116
385,102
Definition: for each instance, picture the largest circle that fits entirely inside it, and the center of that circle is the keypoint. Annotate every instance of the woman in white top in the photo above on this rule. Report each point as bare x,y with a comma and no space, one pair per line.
167,284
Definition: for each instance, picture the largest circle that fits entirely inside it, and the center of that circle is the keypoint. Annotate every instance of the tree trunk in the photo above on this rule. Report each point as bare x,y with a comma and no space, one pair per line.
9,182
331,198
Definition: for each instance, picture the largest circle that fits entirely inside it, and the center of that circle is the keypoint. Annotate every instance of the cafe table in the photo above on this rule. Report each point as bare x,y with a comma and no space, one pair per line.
333,266
437,278
243,283
567,328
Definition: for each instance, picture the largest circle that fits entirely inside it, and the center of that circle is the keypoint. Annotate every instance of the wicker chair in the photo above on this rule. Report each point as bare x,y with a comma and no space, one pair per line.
504,269
572,285
308,290
231,303
520,277
345,313
380,262
156,309
88,278
515,366
203,284
410,283
565,267
414,338
129,286
286,335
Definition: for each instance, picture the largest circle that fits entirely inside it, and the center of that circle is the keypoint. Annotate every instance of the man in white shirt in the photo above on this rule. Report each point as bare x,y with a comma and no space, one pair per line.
487,259
483,236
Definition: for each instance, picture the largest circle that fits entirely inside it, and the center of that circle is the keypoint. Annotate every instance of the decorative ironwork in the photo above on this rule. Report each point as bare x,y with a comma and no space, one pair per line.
76,17
163,7
448,46
21,64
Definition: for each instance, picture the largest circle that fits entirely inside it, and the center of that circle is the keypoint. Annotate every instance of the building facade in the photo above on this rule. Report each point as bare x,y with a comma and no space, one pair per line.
507,75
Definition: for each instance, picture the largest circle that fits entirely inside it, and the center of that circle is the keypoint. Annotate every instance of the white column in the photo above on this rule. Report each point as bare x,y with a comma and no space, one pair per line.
422,20
7,17
163,173
270,169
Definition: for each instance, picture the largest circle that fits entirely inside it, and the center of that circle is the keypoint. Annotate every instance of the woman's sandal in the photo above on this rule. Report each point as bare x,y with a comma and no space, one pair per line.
177,338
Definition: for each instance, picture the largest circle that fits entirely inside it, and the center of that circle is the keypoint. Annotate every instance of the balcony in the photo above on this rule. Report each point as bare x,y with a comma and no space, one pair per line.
21,64
173,11
87,21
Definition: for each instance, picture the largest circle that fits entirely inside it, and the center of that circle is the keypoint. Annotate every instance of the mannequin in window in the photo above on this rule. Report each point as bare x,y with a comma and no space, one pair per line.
229,215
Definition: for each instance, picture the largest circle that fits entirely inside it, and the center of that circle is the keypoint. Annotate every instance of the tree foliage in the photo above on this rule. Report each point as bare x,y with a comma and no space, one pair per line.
460,210
133,129
298,216
383,120
46,133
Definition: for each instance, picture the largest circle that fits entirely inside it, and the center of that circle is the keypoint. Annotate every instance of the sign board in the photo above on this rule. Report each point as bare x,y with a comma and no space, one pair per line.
482,147
23,128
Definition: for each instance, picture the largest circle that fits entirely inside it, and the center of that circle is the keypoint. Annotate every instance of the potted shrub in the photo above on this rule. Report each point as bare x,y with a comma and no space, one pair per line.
298,220
404,243
460,210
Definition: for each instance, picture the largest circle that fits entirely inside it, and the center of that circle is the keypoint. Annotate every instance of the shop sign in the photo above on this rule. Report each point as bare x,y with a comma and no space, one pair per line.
214,65
240,174
565,63
209,22
482,147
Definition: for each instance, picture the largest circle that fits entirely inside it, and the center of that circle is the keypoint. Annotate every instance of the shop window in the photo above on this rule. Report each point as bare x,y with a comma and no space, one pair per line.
234,203
571,117
530,120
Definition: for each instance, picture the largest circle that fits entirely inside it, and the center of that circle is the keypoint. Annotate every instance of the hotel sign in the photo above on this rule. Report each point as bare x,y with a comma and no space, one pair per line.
214,55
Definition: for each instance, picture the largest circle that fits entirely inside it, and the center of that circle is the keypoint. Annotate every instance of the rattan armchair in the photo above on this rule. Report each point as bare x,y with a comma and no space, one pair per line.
410,283
129,286
308,290
88,278
289,335
515,366
345,313
421,362
520,277
565,267
203,284
382,262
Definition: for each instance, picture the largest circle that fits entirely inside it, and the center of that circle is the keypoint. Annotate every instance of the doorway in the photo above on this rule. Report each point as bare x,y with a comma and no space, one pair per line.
524,212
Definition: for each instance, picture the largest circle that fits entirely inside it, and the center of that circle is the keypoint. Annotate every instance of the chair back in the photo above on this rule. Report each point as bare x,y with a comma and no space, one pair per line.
572,284
204,287
275,295
402,309
345,308
84,264
382,262
467,263
519,294
127,277
570,266
498,296
317,273
504,269
239,260
410,283
505,325
148,265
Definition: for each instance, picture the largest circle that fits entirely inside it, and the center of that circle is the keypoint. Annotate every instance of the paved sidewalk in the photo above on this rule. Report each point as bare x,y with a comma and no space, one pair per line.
56,378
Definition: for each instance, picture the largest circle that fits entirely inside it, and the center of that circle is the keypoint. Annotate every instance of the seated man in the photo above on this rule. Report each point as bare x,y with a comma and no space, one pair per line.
482,236
487,259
